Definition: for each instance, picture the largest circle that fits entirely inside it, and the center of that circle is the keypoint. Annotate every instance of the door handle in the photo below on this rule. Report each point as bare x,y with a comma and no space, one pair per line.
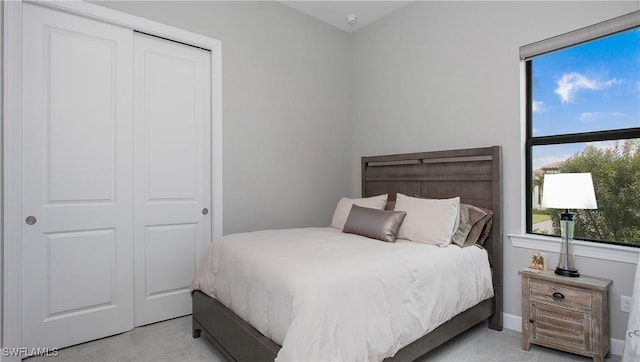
205,211
30,220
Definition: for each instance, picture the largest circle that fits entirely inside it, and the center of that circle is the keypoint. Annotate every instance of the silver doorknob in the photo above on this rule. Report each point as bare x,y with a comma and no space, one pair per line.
30,220
205,211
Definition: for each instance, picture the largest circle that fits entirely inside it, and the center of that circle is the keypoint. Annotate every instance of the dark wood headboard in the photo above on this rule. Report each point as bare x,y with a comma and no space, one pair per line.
472,174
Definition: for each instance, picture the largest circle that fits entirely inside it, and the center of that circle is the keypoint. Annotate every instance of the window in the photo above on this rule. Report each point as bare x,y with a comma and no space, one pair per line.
583,115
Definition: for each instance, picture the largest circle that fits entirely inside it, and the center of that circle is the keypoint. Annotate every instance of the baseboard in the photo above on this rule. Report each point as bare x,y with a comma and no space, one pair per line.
617,346
514,323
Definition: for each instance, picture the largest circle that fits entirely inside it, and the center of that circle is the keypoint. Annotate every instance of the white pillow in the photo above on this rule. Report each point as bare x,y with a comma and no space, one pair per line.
431,221
341,213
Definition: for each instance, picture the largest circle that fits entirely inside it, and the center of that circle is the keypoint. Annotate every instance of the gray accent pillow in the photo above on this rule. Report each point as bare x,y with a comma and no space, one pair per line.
469,216
373,223
474,227
486,228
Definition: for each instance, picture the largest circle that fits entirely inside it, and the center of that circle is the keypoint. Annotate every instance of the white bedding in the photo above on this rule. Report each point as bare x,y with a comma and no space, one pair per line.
326,295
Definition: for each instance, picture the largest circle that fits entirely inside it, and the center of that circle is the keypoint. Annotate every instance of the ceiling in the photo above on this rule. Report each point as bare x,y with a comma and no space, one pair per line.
335,12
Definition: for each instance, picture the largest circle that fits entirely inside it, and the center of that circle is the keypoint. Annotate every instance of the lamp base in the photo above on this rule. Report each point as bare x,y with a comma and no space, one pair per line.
567,272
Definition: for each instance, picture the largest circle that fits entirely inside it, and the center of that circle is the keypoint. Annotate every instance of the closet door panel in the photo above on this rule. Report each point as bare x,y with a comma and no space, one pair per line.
77,201
172,174
170,260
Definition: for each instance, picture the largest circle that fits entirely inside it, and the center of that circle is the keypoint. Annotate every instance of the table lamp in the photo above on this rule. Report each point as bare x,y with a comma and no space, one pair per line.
568,191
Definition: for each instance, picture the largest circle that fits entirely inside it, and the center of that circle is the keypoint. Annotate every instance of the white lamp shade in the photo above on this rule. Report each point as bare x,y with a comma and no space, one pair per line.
568,191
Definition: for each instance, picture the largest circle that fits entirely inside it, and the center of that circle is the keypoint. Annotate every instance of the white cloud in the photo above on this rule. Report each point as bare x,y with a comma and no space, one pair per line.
536,106
599,116
570,83
588,116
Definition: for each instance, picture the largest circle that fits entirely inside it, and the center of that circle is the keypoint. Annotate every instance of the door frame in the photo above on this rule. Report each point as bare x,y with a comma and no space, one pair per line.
11,263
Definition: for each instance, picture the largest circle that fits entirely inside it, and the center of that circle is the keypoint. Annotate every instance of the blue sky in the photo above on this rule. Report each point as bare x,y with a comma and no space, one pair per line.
589,87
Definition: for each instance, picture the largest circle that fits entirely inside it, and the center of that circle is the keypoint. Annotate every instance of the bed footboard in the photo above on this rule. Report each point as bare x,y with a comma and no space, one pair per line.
231,335
239,341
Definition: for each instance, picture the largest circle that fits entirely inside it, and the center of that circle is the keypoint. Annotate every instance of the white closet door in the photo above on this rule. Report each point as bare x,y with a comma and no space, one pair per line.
76,171
172,173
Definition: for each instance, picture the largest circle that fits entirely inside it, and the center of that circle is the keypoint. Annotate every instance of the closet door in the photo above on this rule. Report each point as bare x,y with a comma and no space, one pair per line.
77,243
172,173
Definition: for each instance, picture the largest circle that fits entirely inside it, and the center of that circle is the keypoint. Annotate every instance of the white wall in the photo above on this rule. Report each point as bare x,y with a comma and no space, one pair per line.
286,128
445,75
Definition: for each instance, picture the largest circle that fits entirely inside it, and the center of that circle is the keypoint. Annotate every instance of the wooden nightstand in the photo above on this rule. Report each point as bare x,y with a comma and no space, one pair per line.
569,314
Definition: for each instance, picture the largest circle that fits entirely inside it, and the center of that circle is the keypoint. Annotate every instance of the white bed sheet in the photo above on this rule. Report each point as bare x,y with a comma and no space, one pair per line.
326,295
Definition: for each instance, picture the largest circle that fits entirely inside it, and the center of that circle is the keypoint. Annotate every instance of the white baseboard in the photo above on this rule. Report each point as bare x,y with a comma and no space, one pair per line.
617,346
514,323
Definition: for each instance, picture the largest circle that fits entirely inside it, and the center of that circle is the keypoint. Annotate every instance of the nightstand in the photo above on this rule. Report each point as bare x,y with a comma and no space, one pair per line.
569,314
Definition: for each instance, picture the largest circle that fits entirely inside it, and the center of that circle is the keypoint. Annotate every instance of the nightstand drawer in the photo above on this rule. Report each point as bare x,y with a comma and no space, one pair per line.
560,295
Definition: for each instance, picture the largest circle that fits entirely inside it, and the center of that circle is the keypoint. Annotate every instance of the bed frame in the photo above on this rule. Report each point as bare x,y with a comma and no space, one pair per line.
473,174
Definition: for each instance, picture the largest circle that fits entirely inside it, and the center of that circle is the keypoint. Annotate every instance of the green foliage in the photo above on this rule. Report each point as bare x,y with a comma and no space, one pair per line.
538,181
543,212
616,180
539,218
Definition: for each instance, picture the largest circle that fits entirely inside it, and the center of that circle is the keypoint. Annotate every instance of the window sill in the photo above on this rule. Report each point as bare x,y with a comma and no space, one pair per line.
619,253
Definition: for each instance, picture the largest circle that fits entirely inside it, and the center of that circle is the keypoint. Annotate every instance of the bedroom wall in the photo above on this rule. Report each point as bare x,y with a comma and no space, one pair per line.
286,88
445,75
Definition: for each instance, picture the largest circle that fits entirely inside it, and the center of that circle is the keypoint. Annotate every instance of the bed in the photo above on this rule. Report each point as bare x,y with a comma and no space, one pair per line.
474,175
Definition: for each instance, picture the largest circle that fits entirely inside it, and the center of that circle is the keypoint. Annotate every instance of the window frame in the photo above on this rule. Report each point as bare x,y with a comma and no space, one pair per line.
527,54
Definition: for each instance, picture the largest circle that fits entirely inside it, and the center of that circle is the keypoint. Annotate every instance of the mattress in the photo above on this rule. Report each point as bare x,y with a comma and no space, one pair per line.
327,295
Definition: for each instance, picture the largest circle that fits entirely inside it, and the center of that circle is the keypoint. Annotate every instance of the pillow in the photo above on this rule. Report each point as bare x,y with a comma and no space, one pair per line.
479,237
344,207
470,217
431,221
373,223
420,197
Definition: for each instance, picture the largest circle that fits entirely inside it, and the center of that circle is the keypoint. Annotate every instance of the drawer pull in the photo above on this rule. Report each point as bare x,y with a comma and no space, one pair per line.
557,296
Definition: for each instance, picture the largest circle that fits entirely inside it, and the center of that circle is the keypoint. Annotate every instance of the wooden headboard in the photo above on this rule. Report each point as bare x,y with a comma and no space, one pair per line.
472,174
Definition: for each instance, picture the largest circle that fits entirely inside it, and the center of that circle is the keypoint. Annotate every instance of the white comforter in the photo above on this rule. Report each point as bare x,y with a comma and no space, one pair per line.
325,295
